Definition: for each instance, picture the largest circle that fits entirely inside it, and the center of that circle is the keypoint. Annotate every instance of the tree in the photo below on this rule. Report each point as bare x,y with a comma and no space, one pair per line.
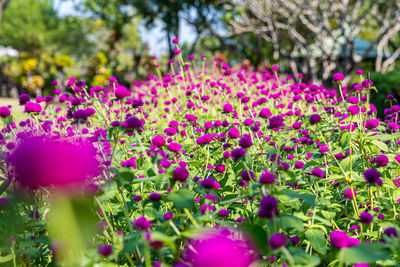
202,15
3,6
318,37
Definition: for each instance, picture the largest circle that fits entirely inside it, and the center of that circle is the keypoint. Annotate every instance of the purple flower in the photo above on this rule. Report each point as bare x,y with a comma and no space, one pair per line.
174,147
238,153
245,141
340,239
233,133
348,195
142,223
227,108
222,248
46,161
181,174
209,183
299,165
294,239
80,114
338,77
315,118
155,196
366,217
353,110
158,140
247,175
105,250
168,216
4,112
372,123
133,123
32,107
223,212
267,178
318,172
265,113
23,99
268,207
372,176
381,160
391,232
277,240
275,122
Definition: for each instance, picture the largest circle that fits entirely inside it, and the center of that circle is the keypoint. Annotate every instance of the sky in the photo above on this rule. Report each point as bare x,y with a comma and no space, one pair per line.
154,38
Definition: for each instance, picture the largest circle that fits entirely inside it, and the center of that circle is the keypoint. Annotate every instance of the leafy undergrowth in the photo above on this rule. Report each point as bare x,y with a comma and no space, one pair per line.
209,166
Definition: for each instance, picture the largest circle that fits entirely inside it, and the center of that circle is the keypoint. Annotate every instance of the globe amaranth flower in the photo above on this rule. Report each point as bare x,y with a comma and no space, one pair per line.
4,112
381,160
366,217
132,123
210,183
47,161
245,141
353,110
220,248
142,223
174,147
267,178
372,123
238,153
315,118
233,133
277,240
276,122
223,212
372,176
348,194
158,140
154,196
265,113
104,250
340,239
391,232
247,175
220,168
32,107
180,174
318,172
338,77
227,108
268,207
23,99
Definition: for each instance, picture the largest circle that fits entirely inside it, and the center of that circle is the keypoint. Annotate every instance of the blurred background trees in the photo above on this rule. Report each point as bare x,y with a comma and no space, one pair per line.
40,42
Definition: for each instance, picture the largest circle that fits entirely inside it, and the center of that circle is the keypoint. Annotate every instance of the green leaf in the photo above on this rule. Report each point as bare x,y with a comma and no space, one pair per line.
345,139
384,137
345,163
258,234
290,221
328,214
367,253
317,240
4,259
183,198
303,259
380,145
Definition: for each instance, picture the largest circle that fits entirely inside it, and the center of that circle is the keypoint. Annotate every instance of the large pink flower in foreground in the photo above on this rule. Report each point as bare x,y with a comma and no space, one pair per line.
220,248
46,161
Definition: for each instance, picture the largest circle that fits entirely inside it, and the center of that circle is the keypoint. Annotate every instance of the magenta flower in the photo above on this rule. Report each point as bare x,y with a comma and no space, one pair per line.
338,77
277,240
46,161
142,223
340,239
268,207
4,112
180,174
220,248
267,178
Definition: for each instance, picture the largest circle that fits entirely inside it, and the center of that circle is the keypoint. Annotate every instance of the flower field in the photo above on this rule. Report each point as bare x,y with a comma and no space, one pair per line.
210,165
